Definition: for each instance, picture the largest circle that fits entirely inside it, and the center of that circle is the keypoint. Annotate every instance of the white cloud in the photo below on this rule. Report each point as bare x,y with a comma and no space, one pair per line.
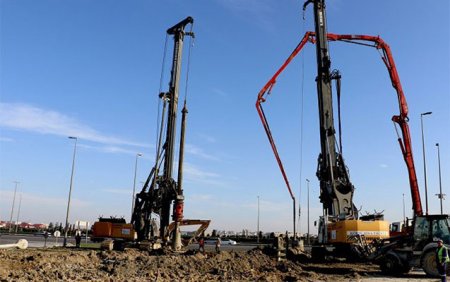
194,174
207,138
111,149
30,118
6,139
383,165
196,151
47,201
220,92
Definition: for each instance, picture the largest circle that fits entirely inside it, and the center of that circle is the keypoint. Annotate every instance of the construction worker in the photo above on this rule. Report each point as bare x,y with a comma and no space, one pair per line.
442,258
201,245
218,243
77,238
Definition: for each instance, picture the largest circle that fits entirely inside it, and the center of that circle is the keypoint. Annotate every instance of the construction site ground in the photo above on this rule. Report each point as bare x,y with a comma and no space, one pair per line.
60,264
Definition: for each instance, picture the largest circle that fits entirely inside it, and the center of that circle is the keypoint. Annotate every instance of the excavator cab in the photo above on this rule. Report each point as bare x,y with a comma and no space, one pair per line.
430,228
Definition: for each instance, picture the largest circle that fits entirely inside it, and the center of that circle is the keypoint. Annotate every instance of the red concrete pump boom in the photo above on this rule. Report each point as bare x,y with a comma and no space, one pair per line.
401,119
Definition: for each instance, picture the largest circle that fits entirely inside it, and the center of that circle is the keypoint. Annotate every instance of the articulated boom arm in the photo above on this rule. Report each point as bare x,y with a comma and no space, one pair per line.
401,119
266,90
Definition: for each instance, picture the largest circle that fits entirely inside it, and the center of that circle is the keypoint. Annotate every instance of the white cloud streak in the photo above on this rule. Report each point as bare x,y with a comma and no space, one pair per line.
6,139
198,152
34,119
192,173
37,201
111,149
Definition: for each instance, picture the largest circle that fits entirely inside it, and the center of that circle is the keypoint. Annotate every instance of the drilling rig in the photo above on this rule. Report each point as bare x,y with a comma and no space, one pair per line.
342,232
416,245
161,194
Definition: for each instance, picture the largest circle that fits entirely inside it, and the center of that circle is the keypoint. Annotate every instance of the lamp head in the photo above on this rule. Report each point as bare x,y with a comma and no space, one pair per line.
427,113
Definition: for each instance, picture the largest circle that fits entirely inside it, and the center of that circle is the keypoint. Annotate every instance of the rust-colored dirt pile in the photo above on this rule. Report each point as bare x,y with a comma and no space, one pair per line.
135,265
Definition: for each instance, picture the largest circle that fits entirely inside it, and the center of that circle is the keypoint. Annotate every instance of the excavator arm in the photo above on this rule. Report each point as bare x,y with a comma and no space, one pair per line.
401,119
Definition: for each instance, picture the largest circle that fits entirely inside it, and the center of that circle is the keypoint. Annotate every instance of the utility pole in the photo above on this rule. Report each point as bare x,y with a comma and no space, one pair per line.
424,161
134,183
70,190
257,225
18,213
404,218
12,208
307,236
440,195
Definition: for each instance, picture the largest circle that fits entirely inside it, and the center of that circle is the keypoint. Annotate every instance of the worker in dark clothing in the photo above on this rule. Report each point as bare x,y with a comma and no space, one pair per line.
442,258
78,239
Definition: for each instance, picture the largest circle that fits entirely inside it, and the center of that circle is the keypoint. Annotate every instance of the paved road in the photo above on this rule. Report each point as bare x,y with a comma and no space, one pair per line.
34,241
39,242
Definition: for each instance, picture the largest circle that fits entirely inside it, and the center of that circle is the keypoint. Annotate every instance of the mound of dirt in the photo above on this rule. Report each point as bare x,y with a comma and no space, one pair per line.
134,265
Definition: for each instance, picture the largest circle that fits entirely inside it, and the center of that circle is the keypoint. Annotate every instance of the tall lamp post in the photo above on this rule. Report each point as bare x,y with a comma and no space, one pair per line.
13,203
307,236
404,219
18,213
257,225
134,183
440,195
424,160
66,229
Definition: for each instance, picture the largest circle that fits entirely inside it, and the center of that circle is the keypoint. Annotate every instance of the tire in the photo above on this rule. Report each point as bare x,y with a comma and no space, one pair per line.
119,245
428,263
318,253
390,265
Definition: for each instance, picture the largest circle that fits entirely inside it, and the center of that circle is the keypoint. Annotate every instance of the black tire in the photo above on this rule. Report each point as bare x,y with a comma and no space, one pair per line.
428,263
119,245
390,265
318,253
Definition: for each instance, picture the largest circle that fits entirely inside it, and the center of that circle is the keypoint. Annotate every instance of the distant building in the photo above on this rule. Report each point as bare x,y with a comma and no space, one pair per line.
38,226
82,225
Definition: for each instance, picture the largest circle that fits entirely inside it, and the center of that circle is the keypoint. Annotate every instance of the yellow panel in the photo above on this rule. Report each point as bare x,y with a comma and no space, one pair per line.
339,232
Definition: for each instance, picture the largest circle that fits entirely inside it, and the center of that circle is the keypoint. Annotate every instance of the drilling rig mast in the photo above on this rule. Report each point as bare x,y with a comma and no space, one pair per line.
161,189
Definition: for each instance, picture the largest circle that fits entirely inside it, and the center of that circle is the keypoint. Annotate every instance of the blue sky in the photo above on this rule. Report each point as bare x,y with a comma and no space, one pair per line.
92,69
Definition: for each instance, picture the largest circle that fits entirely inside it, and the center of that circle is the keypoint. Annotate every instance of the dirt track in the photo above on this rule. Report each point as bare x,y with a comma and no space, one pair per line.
135,265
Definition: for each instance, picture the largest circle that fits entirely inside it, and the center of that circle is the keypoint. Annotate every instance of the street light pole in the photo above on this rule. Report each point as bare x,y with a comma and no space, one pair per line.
404,219
257,225
134,183
70,190
18,213
307,236
440,195
13,203
424,161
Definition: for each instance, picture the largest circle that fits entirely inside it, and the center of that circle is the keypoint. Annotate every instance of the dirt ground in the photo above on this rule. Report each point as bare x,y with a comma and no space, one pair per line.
59,264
